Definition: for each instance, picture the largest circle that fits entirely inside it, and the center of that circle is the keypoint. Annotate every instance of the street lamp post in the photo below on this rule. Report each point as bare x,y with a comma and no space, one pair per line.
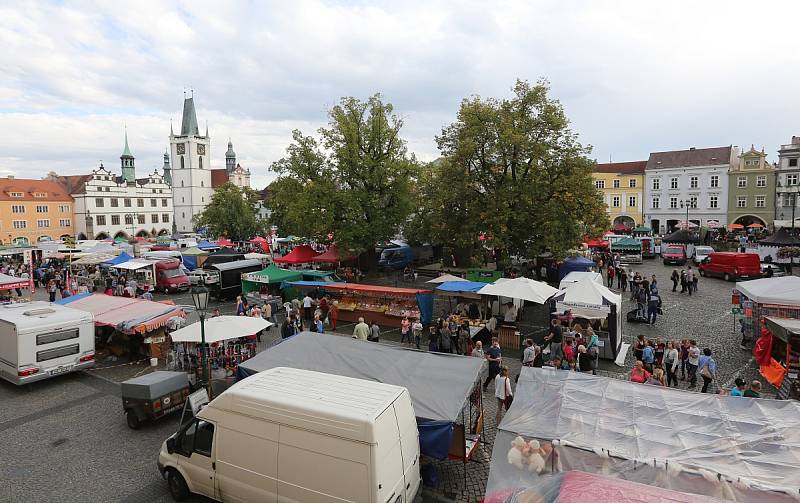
200,300
687,203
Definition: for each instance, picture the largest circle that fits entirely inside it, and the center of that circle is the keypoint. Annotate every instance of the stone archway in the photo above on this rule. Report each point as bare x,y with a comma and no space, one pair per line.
749,219
142,234
625,220
81,236
121,234
102,235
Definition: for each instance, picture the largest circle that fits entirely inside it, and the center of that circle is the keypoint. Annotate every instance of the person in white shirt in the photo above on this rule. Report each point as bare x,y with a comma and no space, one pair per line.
502,392
510,318
307,301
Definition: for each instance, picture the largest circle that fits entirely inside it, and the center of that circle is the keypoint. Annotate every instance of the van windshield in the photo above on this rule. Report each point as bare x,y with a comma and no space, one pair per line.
674,249
173,273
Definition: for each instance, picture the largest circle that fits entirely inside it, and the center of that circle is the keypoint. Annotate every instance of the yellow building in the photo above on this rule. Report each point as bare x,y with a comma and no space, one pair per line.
622,185
33,211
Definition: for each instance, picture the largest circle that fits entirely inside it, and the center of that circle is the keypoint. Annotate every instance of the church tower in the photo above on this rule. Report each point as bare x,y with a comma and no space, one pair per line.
190,169
127,162
230,158
166,169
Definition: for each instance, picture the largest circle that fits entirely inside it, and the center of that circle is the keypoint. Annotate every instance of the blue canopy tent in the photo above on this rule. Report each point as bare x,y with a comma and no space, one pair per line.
442,386
460,286
207,245
575,264
119,259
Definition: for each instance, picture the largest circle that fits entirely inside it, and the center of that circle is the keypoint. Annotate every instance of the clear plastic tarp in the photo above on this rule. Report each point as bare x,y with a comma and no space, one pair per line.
731,448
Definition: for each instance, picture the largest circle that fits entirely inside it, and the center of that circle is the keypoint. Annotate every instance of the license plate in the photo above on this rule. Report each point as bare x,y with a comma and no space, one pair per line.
60,370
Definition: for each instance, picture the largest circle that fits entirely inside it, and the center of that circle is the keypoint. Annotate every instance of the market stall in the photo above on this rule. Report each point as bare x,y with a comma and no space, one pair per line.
785,347
384,305
628,249
772,245
461,288
302,254
119,259
576,264
8,283
444,388
193,257
271,276
759,298
591,304
332,256
714,446
516,290
222,256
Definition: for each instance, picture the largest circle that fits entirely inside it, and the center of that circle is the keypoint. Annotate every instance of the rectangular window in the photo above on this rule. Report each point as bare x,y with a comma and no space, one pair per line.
713,202
20,224
600,184
140,219
631,201
615,202
129,219
127,202
714,182
632,183
792,164
616,184
761,201
52,354
140,203
41,208
165,218
17,208
51,337
40,195
673,182
761,181
63,208
791,179
99,202
43,223
656,184
741,182
101,219
65,222
154,218
673,202
656,203
164,203
692,201
153,203
741,201
16,194
114,219
114,202
693,181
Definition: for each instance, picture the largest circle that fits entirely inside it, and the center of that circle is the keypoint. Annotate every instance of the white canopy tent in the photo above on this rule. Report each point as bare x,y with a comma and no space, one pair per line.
575,276
444,278
784,290
786,223
520,288
135,264
221,328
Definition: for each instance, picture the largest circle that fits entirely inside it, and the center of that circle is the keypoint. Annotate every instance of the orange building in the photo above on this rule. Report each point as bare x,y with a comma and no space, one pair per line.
33,211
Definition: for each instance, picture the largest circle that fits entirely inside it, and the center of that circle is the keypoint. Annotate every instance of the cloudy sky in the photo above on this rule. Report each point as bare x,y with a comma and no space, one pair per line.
634,77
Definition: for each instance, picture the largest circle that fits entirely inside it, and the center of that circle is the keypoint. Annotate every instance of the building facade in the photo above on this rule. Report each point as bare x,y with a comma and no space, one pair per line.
113,206
786,190
191,169
33,211
751,190
695,180
622,185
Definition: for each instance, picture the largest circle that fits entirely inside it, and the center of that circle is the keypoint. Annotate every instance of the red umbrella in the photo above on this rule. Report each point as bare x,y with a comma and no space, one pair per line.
755,226
257,240
735,227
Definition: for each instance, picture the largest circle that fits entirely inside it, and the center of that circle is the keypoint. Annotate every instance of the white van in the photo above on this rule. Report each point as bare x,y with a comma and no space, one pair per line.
40,340
289,435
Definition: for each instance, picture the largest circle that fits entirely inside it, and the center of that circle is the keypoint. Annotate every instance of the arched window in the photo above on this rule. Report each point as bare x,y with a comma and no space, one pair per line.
183,199
182,166
200,162
181,183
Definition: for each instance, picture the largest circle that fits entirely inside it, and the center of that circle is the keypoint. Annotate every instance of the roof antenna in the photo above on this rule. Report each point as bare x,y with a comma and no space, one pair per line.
192,90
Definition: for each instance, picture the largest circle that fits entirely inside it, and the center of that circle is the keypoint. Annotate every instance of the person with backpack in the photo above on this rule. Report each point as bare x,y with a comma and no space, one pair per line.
648,356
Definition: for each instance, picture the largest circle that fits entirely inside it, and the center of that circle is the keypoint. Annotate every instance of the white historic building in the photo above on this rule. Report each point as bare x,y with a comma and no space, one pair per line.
788,186
110,206
191,169
693,179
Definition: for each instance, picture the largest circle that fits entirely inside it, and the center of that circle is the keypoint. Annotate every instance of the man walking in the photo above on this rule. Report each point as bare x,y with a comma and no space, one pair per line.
494,357
689,280
307,301
554,338
361,330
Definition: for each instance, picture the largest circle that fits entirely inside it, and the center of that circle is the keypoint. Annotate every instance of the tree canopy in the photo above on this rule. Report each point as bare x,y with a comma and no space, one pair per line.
232,212
352,181
512,169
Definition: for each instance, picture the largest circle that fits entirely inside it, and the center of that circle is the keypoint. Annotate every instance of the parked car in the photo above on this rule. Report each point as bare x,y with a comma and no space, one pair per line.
673,254
701,252
776,270
731,265
203,277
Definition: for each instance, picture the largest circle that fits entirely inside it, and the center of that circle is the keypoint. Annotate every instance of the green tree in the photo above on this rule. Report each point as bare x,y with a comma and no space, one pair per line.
353,181
233,213
516,171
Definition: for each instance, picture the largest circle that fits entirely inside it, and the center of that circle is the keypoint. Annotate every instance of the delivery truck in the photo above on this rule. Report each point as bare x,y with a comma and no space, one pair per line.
39,340
291,435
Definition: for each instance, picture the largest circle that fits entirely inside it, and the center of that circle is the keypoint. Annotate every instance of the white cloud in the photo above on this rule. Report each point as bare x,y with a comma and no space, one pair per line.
634,76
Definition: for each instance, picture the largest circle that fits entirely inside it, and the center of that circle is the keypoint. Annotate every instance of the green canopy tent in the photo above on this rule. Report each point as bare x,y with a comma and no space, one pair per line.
642,230
629,250
272,275
193,252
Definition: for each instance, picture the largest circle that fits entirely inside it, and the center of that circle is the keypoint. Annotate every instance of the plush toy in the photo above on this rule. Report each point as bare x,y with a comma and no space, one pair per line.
535,457
530,455
516,454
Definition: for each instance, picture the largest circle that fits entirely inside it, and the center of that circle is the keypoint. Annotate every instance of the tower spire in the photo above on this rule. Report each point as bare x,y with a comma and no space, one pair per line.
171,133
127,151
127,161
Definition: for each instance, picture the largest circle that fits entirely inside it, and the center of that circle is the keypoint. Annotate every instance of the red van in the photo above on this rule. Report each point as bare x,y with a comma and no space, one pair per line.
170,277
673,254
731,265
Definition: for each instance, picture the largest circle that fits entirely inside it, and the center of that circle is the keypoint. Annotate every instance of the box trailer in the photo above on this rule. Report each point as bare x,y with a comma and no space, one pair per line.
39,340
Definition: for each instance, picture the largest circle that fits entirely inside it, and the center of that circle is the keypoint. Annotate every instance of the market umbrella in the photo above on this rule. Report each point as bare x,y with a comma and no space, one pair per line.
258,240
444,278
684,224
713,224
755,226
221,328
735,227
520,288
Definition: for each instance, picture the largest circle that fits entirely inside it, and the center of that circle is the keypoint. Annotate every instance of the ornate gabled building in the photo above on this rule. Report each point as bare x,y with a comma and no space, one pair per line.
751,189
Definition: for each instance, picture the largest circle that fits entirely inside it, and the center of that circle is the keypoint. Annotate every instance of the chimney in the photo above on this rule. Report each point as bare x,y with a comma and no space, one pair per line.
691,148
795,140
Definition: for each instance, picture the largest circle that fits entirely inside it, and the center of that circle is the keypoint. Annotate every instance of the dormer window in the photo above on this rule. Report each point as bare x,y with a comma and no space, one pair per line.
40,194
16,194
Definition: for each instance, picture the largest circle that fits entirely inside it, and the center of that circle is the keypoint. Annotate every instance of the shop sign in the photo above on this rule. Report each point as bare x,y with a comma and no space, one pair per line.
255,277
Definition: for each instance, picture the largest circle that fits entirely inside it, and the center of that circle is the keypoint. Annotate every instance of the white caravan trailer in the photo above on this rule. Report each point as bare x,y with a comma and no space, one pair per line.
40,340
290,435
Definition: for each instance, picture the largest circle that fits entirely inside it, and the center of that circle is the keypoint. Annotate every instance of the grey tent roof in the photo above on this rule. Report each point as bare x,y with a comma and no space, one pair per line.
189,122
782,237
681,236
439,384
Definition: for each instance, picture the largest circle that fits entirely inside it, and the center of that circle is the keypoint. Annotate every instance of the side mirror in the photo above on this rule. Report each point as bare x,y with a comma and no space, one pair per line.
171,444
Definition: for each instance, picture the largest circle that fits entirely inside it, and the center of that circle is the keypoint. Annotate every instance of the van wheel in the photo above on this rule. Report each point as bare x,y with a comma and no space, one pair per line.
726,277
177,486
132,419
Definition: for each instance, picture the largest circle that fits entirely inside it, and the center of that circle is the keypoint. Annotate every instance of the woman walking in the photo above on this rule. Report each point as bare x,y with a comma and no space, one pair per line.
707,368
671,358
405,331
593,348
502,392
676,277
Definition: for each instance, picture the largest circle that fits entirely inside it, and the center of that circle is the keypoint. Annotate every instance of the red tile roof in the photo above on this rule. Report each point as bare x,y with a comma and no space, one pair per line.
73,184
219,177
54,191
624,168
715,156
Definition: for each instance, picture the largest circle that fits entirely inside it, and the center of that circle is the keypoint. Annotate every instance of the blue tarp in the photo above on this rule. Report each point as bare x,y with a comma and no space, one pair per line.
575,264
425,304
207,245
460,286
435,437
189,261
119,259
71,298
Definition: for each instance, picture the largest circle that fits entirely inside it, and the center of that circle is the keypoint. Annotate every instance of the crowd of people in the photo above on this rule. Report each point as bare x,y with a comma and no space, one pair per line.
659,363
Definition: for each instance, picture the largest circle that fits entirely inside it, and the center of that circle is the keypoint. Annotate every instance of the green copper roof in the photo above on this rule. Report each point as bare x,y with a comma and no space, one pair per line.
189,123
127,151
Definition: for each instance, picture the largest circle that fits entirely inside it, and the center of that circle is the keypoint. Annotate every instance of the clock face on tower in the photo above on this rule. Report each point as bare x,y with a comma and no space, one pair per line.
201,149
181,148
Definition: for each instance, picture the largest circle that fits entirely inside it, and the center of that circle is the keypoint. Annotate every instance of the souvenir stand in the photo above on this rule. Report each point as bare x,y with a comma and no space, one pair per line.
709,445
445,389
628,249
384,305
231,340
520,290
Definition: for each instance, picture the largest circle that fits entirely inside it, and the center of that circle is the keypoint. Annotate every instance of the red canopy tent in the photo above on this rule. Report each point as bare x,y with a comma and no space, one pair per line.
596,243
302,254
261,242
331,256
224,242
621,228
258,239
